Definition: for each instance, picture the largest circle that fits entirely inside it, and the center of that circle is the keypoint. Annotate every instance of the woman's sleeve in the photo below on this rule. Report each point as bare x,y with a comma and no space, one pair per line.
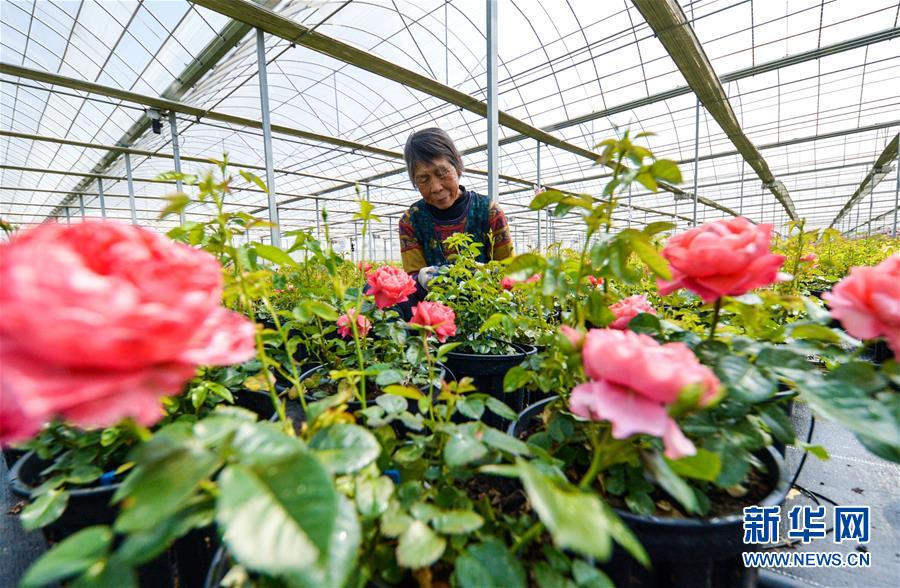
411,252
500,234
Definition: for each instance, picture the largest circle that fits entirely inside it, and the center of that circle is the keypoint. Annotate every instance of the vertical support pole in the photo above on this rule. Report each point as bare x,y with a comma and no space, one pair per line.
384,242
629,206
538,184
741,201
869,225
102,197
896,196
492,110
275,231
131,203
68,218
446,46
318,222
176,154
81,205
696,157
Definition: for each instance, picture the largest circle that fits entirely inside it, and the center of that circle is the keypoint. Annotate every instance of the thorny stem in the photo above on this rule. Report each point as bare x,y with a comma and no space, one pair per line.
295,377
430,362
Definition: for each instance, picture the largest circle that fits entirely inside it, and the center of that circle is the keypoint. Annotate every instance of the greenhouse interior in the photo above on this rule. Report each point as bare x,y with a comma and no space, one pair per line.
469,293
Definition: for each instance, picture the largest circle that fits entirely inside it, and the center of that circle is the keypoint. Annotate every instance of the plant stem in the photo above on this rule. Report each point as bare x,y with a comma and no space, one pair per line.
295,377
430,362
715,321
596,456
528,536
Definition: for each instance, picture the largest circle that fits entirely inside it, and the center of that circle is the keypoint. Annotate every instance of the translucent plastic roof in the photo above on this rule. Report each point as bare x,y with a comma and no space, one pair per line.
820,110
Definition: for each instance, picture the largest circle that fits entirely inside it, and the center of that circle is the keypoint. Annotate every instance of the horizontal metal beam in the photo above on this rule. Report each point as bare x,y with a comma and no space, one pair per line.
295,32
173,105
671,26
162,155
878,172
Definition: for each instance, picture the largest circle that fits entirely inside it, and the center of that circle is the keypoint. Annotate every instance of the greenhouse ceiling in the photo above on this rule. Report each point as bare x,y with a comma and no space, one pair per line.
773,109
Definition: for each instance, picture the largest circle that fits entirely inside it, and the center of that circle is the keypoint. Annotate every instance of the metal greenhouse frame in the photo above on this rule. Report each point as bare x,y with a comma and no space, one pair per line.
776,112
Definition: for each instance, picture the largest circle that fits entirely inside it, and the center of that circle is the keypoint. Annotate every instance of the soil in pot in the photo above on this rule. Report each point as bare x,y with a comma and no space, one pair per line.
688,552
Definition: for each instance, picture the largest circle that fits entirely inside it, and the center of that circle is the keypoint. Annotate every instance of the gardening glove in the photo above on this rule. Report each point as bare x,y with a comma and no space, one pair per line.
426,274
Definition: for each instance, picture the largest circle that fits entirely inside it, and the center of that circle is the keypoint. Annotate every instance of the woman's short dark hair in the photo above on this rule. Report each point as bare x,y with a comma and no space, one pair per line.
427,145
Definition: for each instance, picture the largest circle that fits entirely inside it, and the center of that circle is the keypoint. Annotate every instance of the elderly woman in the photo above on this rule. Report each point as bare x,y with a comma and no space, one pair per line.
435,167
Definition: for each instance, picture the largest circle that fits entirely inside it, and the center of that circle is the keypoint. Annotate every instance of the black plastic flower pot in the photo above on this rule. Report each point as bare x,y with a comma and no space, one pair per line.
487,373
259,403
688,553
696,553
87,507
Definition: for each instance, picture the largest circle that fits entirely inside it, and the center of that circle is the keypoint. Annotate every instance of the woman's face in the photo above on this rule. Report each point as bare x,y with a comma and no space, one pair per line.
438,182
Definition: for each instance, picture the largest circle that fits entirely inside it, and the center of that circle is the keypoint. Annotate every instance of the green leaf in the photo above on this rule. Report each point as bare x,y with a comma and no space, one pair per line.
641,244
392,404
670,482
817,450
112,573
345,448
278,519
177,203
46,509
324,311
666,170
704,465
575,519
657,227
502,441
815,333
492,321
546,198
457,521
70,557
388,377
373,496
463,447
778,422
744,380
471,407
499,408
489,565
343,546
547,577
516,378
274,254
526,265
404,391
624,536
587,576
419,546
159,488
253,178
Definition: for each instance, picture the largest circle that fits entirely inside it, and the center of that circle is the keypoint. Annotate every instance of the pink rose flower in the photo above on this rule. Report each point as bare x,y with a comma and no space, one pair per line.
628,308
867,302
595,281
364,267
630,414
633,380
507,283
722,258
101,319
638,362
438,316
363,325
574,336
811,258
390,285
